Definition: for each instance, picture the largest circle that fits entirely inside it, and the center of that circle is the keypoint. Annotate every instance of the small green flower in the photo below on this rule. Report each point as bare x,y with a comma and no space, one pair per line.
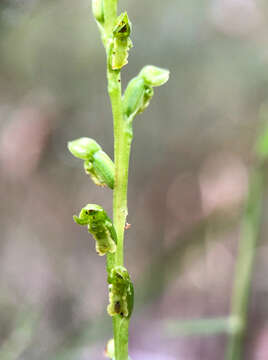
121,42
100,226
121,292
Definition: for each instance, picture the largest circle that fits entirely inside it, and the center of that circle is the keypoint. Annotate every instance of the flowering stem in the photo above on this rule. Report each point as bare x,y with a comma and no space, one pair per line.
109,236
122,144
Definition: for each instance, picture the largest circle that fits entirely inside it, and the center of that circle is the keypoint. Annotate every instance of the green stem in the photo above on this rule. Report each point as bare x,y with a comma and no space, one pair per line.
122,144
244,267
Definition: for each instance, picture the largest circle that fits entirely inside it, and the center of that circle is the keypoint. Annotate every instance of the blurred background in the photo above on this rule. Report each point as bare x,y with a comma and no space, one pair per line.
189,175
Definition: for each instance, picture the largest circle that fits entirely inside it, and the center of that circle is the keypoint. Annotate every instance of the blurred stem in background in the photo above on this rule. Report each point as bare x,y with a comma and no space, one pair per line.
203,327
250,230
245,260
236,324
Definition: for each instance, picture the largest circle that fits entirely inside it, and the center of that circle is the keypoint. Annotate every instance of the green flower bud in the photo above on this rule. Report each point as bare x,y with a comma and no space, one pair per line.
98,10
100,226
154,76
83,148
133,97
140,91
121,293
98,164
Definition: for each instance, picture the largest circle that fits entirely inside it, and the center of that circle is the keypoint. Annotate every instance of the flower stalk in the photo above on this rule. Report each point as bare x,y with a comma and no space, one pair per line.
109,236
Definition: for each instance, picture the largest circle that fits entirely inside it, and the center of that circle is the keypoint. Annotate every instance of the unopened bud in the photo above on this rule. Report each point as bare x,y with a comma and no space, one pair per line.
97,164
154,76
83,148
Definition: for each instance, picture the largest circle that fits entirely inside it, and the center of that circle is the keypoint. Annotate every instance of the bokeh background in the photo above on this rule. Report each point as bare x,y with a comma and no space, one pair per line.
189,169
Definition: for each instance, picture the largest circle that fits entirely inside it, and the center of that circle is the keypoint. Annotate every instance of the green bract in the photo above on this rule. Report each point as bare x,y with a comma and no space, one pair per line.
97,164
154,76
121,292
100,226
